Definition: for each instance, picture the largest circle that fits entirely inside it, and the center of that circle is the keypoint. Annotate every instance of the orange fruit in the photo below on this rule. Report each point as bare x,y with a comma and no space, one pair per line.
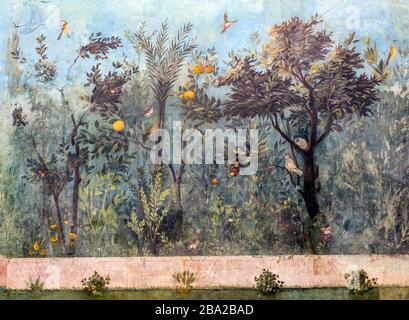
215,182
188,95
198,69
118,125
209,68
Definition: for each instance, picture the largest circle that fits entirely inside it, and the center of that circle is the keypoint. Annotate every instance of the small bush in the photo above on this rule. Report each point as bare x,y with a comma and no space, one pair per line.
358,281
34,285
268,282
185,279
96,284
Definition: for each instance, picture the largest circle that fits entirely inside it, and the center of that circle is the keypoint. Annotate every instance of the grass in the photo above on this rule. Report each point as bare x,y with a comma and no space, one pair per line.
222,294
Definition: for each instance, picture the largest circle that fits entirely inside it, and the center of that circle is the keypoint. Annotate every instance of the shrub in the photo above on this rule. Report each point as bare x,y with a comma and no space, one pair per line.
268,282
96,284
358,281
185,279
34,285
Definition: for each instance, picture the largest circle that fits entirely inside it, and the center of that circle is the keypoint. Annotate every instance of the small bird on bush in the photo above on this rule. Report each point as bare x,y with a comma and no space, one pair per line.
148,112
194,241
291,166
232,74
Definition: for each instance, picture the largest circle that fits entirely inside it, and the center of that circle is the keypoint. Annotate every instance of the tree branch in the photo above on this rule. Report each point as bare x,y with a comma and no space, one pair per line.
284,135
327,129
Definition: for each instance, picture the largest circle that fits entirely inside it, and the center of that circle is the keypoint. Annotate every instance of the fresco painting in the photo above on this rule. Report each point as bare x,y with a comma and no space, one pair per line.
181,128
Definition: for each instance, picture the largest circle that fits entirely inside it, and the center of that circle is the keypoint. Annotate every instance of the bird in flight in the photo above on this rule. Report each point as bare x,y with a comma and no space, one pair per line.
227,23
64,29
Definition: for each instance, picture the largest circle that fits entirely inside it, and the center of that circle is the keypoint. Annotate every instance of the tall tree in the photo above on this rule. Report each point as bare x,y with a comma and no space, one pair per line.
306,86
165,58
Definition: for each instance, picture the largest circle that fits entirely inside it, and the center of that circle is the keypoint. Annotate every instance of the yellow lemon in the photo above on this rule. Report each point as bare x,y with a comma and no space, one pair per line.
198,69
209,69
118,125
188,95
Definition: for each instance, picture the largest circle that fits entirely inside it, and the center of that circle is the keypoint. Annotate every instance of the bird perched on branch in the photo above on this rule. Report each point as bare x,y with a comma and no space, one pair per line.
291,166
302,143
227,23
232,74
64,29
194,241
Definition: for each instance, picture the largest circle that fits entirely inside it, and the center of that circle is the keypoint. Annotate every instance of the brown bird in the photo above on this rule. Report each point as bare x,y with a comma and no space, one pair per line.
150,131
227,23
291,166
148,111
64,29
194,241
232,74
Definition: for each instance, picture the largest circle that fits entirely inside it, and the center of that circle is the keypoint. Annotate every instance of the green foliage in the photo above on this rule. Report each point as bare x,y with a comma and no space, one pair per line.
164,57
364,199
96,284
268,282
34,284
185,279
154,210
359,281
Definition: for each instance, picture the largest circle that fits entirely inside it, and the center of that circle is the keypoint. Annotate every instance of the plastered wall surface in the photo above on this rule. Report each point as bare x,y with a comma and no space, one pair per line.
210,272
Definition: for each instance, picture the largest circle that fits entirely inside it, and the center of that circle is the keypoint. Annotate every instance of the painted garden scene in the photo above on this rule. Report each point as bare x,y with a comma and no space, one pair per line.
253,147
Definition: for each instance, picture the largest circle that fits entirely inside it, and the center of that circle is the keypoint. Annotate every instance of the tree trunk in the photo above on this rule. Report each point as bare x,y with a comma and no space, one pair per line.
46,224
75,200
162,107
310,190
178,197
59,218
309,195
155,246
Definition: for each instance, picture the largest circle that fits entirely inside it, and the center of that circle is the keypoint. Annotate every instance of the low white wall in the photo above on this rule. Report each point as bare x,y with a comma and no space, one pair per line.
210,271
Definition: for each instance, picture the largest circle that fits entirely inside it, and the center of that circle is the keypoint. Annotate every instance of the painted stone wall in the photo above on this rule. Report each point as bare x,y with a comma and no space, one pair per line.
231,271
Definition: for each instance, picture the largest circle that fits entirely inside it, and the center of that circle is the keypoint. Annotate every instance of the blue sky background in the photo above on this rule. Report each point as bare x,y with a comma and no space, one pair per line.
385,21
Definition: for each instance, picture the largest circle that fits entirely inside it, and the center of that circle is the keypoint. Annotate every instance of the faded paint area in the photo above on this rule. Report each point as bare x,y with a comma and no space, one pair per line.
210,272
3,271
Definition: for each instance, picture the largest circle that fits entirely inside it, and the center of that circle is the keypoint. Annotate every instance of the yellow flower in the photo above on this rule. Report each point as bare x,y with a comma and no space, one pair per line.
36,246
198,69
209,68
188,95
65,221
54,227
54,238
30,253
118,125
287,203
73,236
43,252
